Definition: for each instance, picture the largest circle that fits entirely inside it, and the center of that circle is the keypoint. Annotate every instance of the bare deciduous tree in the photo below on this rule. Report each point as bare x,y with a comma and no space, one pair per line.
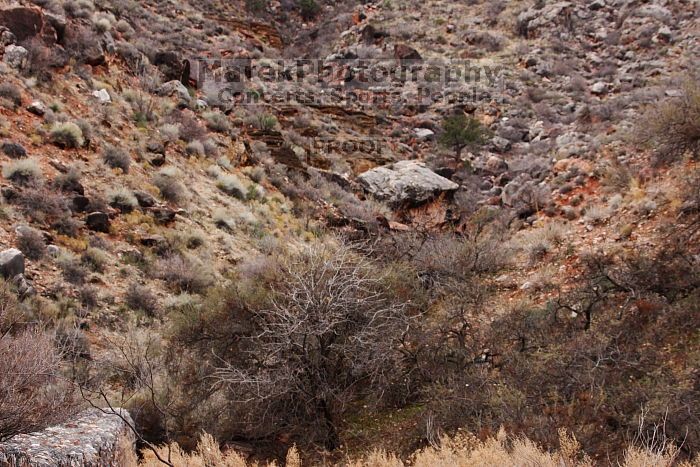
329,335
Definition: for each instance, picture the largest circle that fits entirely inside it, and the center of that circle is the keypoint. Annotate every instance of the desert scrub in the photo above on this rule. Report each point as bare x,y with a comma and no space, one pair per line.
95,259
185,273
25,172
264,122
169,133
672,127
67,135
195,148
10,95
31,243
171,188
308,9
140,298
116,158
122,199
257,174
231,185
217,121
73,270
69,181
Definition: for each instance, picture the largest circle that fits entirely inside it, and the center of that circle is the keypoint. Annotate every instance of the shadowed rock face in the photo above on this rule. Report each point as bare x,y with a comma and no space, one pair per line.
92,439
405,182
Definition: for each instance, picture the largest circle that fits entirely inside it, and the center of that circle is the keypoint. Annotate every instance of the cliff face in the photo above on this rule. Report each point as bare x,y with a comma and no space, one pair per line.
93,439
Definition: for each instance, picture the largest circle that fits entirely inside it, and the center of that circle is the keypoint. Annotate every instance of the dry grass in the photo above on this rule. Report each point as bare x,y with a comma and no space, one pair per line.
461,450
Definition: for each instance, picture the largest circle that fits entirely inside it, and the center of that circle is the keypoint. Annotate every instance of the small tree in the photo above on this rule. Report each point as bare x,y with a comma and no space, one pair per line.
460,131
328,336
309,9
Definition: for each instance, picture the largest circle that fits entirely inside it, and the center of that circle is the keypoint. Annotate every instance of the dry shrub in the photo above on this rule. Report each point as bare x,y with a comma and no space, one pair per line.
32,394
40,204
460,450
672,127
171,188
140,297
185,274
31,242
116,158
208,453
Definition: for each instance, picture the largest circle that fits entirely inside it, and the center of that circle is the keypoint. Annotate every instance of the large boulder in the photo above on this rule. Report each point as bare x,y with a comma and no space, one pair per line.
24,22
11,263
404,52
93,438
98,222
15,56
174,88
534,18
405,182
28,22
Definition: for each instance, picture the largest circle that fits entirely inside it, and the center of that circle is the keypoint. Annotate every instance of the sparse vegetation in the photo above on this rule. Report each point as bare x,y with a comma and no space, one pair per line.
25,172
31,242
33,394
67,135
10,95
217,121
72,268
672,127
122,199
116,158
95,259
231,185
242,282
139,297
185,274
171,188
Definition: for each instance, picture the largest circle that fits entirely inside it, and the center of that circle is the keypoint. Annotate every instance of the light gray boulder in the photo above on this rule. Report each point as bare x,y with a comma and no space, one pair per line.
94,438
15,56
174,88
11,263
405,182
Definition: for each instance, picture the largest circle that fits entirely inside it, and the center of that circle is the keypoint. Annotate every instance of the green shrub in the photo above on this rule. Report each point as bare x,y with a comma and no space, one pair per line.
460,131
309,9
266,122
23,172
67,135
256,6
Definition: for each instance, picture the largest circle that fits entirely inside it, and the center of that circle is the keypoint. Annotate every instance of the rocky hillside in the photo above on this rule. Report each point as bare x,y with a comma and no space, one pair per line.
355,225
